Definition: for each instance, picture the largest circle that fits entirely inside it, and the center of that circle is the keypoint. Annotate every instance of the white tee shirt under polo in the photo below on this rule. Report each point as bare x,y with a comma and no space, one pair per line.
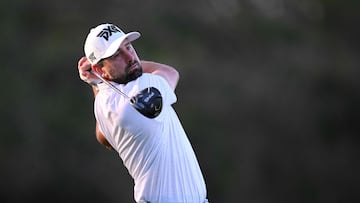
156,152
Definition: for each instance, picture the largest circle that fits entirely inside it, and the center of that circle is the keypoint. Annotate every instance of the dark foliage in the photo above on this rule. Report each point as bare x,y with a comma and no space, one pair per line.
268,95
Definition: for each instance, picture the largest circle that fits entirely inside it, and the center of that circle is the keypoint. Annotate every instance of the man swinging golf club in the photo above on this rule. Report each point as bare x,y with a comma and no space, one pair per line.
135,117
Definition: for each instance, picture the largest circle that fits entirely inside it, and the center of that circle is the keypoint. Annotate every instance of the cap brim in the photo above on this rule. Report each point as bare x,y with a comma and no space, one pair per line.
131,36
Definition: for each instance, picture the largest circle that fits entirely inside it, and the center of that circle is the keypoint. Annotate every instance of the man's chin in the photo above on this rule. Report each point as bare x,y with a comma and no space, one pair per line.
137,73
134,75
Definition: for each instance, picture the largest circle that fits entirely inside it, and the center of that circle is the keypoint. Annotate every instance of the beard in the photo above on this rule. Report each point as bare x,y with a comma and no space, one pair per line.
130,73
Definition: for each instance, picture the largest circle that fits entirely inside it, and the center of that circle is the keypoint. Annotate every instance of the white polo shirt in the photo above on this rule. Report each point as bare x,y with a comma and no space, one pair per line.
156,152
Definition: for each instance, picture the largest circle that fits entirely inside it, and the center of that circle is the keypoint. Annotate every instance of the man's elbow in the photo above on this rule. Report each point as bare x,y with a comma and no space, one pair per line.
175,76
102,140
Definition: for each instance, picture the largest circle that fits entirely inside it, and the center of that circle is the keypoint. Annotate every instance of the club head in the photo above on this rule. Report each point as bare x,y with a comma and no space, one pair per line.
148,102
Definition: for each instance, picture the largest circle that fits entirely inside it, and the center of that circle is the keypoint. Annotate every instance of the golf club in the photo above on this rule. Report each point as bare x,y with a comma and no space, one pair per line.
148,101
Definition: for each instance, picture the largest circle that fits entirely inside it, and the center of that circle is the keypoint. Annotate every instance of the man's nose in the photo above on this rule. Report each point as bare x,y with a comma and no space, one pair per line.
128,56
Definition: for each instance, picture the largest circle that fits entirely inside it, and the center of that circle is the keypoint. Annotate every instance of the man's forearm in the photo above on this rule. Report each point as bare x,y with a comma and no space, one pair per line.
95,90
170,74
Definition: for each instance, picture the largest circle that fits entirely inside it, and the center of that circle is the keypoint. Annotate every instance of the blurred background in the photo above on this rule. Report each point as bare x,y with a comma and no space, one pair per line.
269,96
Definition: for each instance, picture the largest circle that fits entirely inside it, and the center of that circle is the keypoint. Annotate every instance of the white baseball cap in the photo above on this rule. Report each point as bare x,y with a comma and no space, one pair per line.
104,40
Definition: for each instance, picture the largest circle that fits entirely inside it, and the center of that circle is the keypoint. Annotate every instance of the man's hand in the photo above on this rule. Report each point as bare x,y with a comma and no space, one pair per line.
84,68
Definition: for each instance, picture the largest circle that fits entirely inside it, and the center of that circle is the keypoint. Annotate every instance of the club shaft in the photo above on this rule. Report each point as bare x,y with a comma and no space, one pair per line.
109,84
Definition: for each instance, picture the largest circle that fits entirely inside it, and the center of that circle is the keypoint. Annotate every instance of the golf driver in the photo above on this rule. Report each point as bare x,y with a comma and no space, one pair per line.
148,101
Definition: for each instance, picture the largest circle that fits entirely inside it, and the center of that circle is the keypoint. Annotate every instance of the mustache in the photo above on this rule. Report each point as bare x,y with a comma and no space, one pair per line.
131,64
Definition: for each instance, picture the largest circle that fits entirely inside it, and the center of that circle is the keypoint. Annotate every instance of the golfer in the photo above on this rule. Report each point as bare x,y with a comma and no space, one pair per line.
155,150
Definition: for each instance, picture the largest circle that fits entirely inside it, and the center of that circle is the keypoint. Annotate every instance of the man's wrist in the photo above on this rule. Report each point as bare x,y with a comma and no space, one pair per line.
94,86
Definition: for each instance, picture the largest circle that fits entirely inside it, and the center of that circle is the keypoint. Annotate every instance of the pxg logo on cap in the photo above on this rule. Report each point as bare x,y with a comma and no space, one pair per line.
104,40
107,32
